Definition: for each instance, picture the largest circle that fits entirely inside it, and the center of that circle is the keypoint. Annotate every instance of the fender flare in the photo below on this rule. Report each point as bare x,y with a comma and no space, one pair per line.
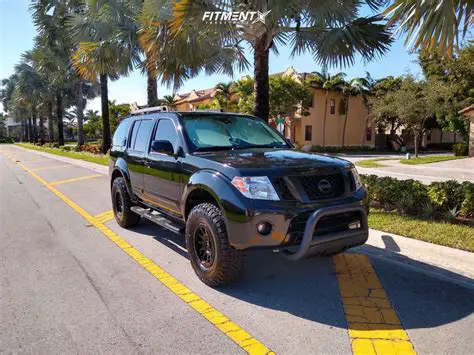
120,167
230,201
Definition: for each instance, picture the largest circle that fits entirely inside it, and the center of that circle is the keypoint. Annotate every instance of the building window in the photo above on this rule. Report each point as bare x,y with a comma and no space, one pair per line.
308,130
428,135
342,106
333,107
368,134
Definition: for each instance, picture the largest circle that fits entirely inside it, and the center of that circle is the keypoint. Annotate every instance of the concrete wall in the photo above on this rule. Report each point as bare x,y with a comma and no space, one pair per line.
355,127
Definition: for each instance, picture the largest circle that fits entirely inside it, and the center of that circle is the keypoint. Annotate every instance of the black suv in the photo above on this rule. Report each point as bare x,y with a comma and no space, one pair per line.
230,182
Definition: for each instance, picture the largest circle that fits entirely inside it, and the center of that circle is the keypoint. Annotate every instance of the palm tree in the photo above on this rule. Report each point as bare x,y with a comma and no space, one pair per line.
324,80
365,88
169,100
224,94
431,25
102,53
329,30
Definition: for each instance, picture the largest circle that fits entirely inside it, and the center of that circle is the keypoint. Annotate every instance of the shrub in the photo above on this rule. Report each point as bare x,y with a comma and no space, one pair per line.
460,149
444,200
318,148
6,140
94,149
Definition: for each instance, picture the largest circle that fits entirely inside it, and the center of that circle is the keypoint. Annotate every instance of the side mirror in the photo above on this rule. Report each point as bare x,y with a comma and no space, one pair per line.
164,147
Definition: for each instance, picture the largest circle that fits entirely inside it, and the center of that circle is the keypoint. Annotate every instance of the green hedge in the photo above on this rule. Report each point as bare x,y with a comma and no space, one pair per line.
346,149
441,200
6,140
460,149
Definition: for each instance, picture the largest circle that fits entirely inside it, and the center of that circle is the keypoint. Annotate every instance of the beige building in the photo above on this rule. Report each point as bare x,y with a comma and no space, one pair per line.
190,101
469,112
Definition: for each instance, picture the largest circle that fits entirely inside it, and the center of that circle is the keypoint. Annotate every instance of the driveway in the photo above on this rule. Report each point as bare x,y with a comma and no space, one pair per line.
460,169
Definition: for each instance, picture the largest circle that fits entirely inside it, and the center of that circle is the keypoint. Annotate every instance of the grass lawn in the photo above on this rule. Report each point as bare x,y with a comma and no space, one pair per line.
450,235
372,163
429,159
94,158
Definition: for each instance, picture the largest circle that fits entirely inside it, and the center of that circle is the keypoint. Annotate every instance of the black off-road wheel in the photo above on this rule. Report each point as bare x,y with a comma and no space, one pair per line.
214,261
122,203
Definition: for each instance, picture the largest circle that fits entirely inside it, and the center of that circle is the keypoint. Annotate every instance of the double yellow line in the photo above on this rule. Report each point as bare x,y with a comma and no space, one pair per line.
242,338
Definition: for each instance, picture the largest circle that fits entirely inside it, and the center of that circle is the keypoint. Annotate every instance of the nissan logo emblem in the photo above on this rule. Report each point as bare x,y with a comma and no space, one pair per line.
324,186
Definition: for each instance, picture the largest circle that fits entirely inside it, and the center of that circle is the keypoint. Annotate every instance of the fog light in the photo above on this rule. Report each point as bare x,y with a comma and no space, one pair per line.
264,228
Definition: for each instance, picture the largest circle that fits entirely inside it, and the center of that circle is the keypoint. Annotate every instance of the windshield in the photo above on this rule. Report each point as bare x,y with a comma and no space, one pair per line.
218,132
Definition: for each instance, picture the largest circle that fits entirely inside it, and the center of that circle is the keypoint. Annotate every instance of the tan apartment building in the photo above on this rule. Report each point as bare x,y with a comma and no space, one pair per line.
309,130
190,101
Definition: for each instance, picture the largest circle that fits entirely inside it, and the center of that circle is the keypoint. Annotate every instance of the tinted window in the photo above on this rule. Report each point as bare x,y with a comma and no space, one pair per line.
166,132
143,135
121,134
136,124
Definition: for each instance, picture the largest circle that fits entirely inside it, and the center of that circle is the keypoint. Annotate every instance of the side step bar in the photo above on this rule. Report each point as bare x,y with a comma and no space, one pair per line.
158,218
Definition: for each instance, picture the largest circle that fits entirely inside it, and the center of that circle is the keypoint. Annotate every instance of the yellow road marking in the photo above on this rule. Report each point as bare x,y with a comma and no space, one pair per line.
105,216
218,319
54,183
50,167
373,325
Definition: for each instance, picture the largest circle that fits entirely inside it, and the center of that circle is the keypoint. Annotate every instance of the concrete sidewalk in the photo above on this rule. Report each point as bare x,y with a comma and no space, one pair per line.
436,260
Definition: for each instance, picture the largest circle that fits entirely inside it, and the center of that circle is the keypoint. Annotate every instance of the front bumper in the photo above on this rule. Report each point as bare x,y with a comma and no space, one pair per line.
311,243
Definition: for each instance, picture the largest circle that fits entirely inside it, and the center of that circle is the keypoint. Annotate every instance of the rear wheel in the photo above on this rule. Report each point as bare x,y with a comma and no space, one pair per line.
214,261
122,204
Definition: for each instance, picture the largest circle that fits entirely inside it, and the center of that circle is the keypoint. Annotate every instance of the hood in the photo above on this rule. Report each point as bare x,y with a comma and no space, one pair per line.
275,159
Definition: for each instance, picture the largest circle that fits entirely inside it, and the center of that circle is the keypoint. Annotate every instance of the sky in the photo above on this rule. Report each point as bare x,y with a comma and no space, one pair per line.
17,32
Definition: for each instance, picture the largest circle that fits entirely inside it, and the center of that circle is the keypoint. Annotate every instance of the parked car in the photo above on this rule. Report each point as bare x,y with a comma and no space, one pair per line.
231,183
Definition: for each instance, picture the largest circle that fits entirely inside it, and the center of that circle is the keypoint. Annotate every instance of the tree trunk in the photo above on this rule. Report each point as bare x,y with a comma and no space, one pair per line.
80,115
364,134
345,122
41,130
30,130
50,122
104,97
152,87
415,133
261,86
35,130
59,114
324,119
24,127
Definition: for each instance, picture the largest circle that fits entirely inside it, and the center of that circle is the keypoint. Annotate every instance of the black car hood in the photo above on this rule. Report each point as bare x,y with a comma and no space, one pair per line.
270,159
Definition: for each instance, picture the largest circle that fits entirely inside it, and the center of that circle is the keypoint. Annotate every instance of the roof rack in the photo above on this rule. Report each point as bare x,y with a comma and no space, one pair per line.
144,111
210,110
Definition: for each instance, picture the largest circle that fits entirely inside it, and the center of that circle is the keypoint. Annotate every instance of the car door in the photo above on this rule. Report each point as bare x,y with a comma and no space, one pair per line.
163,173
140,138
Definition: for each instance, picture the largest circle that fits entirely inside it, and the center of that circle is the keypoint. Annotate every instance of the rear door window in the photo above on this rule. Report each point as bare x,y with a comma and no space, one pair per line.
143,135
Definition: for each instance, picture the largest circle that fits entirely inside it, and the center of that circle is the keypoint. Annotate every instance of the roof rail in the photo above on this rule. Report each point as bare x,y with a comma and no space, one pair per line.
144,111
210,110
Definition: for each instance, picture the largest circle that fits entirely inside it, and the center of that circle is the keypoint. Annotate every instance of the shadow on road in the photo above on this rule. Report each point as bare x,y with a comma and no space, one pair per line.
308,289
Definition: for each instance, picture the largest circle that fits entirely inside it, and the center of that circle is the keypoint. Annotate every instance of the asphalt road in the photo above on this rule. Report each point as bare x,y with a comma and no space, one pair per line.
73,281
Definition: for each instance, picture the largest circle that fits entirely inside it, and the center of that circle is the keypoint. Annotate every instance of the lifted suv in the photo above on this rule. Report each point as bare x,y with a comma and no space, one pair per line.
231,183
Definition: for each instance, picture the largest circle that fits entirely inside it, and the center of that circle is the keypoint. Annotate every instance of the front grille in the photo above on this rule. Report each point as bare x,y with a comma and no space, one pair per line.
319,187
326,225
282,189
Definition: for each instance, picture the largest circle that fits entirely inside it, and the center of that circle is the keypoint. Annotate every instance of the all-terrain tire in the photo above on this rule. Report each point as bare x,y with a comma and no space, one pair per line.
122,204
227,262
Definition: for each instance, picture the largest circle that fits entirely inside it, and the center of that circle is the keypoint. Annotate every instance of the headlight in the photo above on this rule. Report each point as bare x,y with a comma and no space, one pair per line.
357,180
256,187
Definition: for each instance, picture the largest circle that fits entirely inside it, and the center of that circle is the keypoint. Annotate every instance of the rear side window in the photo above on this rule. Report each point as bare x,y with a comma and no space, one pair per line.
143,135
121,134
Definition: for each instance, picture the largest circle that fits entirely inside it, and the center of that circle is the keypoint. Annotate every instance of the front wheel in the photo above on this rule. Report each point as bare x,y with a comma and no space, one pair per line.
214,261
122,204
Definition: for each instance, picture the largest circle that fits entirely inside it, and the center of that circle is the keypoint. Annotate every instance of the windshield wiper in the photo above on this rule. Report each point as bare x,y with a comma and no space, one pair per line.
214,148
